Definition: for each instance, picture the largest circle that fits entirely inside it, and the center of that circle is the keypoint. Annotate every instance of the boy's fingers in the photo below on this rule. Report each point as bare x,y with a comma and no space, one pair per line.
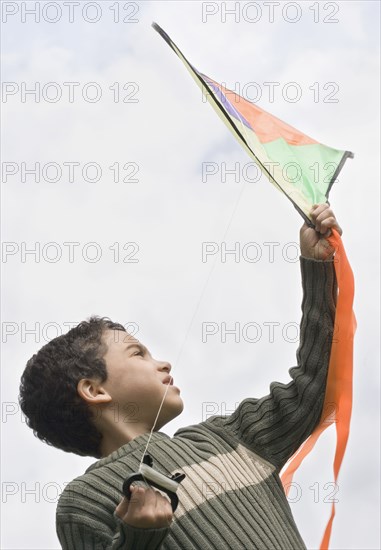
142,496
147,508
318,209
322,213
323,217
136,500
138,496
316,213
122,508
330,222
325,223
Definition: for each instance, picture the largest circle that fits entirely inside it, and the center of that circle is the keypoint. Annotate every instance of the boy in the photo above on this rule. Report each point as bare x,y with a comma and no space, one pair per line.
76,390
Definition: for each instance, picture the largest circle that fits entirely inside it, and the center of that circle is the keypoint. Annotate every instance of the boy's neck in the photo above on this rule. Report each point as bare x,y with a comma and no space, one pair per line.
113,441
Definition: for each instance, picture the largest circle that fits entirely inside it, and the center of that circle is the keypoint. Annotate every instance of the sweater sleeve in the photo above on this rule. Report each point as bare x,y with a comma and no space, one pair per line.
277,424
77,535
82,523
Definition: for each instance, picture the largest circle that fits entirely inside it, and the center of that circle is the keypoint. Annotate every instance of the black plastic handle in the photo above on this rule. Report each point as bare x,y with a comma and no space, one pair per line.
138,477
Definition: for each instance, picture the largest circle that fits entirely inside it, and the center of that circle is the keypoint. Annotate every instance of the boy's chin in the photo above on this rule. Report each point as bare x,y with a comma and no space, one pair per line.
172,412
177,409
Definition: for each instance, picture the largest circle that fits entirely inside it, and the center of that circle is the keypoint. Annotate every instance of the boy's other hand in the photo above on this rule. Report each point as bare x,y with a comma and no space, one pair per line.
313,243
147,508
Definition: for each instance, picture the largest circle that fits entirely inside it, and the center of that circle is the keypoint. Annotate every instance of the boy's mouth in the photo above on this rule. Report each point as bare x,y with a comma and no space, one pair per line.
168,379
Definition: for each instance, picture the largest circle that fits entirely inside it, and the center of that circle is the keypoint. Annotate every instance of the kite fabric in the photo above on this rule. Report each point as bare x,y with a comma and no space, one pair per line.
275,145
296,164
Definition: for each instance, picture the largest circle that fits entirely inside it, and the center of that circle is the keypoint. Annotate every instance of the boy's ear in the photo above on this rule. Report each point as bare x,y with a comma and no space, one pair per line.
92,392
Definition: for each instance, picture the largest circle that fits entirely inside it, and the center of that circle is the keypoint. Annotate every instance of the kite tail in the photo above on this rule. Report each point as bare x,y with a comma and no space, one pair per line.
338,397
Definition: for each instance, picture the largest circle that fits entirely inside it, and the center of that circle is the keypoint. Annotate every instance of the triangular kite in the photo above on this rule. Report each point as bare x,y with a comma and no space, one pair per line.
295,163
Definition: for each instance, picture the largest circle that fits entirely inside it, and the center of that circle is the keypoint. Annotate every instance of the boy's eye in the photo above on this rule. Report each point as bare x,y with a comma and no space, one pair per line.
139,353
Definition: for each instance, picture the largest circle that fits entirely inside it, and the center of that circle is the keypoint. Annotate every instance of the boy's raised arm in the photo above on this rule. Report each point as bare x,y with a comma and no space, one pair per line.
277,424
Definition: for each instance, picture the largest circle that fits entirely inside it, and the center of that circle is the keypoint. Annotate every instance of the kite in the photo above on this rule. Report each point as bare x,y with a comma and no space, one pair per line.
294,162
276,147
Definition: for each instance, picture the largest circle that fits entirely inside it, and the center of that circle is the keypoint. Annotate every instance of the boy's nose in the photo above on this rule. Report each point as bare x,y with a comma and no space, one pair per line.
164,365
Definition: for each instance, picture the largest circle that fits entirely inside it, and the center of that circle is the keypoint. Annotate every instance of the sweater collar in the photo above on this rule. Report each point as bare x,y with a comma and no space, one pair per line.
139,441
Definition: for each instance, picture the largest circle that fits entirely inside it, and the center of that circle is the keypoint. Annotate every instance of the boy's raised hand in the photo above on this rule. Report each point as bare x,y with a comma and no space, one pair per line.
313,243
147,508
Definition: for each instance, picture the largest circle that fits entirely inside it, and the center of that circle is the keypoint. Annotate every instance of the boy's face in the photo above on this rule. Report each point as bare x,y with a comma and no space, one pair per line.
137,383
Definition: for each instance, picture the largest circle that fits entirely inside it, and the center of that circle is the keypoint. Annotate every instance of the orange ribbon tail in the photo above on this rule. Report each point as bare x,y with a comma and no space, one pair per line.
338,397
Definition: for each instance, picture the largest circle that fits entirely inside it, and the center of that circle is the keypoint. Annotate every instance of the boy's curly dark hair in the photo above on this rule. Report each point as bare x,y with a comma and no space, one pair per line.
48,390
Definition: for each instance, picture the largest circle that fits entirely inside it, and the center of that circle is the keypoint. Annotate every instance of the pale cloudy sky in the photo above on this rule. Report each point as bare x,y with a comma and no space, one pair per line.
129,103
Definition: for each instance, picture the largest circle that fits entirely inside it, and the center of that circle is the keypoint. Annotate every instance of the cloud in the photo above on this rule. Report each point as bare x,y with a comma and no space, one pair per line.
170,212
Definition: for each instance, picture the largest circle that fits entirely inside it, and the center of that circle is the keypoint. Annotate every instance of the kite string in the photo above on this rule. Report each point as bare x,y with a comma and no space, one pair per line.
191,322
153,427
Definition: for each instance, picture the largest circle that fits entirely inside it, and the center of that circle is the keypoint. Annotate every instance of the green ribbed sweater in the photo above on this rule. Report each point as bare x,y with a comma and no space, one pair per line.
232,497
